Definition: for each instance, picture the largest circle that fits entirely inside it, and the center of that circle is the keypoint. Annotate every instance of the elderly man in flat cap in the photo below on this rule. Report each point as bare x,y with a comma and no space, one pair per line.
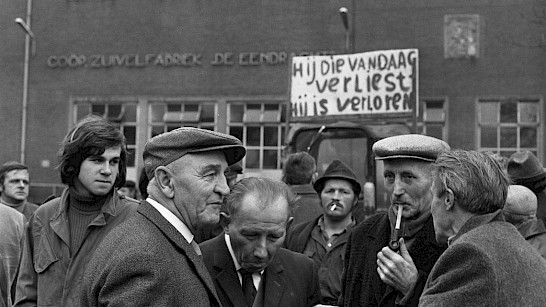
377,273
152,259
520,210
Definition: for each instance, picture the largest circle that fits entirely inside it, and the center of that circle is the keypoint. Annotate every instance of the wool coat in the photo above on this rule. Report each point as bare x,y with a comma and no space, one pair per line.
289,281
534,232
49,274
147,262
361,284
308,205
488,263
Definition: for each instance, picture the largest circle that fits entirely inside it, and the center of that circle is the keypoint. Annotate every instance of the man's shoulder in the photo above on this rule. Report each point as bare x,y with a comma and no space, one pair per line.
8,213
48,208
378,221
295,259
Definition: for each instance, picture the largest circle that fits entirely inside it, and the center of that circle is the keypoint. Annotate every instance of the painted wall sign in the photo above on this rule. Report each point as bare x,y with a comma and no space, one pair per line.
175,59
370,83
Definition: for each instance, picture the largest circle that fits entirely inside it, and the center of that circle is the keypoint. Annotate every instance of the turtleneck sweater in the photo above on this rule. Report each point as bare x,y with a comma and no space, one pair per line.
81,211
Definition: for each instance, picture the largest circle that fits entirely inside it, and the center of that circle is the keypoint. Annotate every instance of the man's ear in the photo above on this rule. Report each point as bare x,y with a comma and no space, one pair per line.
449,199
225,219
163,178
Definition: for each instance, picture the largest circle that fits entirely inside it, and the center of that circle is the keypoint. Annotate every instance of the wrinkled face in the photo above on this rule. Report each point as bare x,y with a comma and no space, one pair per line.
337,198
440,216
199,187
408,183
256,234
15,186
98,173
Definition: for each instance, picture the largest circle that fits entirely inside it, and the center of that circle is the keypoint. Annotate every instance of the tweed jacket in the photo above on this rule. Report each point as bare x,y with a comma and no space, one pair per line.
361,285
290,280
488,263
49,275
147,262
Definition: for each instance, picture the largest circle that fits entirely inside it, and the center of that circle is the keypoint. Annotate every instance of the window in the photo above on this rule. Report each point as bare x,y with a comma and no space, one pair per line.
432,118
506,126
168,115
259,125
122,113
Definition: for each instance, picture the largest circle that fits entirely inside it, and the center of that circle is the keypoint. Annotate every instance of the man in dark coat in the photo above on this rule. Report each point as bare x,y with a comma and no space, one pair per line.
299,172
375,275
525,169
324,238
521,211
247,264
487,263
152,259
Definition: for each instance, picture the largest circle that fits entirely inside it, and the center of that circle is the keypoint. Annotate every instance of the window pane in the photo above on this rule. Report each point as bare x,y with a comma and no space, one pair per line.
156,130
509,112
270,136
236,132
83,110
171,128
114,110
207,113
253,136
174,107
528,137
158,110
236,112
130,134
130,112
435,131
489,112
283,113
509,137
434,114
528,112
252,158
270,159
488,137
98,109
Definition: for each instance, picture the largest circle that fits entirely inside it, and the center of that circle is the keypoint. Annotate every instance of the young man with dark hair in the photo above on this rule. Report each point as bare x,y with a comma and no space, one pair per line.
14,187
64,232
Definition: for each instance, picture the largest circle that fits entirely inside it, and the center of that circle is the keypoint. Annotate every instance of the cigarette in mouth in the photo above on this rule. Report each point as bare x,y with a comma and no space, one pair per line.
333,207
398,217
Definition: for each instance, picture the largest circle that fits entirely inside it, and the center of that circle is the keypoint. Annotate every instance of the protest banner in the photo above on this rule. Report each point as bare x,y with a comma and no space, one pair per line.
369,84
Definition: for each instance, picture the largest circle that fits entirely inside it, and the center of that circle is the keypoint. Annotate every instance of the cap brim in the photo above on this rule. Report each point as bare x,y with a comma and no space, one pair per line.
406,157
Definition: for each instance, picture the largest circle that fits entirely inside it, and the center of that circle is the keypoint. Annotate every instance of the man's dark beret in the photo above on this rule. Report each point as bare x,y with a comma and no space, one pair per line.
168,147
409,146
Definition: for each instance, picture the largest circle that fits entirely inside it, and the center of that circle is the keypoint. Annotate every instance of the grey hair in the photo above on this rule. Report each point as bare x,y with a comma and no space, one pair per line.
266,190
477,180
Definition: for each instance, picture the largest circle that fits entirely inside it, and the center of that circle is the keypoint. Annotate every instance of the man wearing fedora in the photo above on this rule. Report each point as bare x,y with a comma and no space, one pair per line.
324,238
153,259
375,275
525,169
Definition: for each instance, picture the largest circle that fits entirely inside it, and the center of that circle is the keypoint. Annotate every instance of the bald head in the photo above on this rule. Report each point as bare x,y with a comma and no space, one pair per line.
521,204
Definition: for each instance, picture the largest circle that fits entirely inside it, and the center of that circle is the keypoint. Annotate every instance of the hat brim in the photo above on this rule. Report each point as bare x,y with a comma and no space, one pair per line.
233,153
406,157
319,184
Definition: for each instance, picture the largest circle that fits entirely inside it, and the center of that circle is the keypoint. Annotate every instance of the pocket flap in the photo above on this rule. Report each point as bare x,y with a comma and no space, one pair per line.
44,255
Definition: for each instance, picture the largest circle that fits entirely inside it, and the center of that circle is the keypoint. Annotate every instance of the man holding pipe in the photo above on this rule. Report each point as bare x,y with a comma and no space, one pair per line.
382,269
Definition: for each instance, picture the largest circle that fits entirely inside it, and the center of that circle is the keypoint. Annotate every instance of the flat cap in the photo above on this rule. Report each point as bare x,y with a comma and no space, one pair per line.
409,146
168,147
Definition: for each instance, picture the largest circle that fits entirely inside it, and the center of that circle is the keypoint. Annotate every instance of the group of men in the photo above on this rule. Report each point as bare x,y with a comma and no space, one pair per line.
95,247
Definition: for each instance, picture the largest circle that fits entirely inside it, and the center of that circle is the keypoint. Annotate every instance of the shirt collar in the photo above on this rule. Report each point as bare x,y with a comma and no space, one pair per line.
171,218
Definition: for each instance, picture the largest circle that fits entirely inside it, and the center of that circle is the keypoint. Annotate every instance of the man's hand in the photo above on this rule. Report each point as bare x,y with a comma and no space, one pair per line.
397,270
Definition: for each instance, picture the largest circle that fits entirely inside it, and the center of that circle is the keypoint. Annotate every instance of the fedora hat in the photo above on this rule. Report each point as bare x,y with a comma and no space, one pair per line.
524,165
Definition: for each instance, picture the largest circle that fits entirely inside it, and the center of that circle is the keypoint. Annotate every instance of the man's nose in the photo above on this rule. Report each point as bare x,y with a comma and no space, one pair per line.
106,169
398,187
222,186
260,249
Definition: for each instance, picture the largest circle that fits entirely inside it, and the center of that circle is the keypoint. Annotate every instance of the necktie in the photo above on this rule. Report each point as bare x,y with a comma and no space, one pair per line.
248,287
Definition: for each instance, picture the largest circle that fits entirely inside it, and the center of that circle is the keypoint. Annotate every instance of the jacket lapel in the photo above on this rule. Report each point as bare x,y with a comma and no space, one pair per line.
226,276
180,242
274,284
